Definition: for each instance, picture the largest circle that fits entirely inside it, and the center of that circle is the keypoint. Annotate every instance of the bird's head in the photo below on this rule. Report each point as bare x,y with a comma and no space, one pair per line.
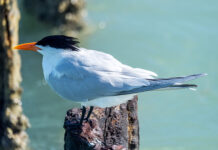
51,43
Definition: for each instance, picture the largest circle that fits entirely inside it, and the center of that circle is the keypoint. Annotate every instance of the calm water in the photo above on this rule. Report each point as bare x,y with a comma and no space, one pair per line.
169,37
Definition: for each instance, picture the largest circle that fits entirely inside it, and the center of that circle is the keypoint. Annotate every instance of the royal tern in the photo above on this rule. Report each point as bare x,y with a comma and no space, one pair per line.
94,78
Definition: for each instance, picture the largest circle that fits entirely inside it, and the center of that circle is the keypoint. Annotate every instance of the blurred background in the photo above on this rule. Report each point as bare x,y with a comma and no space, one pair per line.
171,38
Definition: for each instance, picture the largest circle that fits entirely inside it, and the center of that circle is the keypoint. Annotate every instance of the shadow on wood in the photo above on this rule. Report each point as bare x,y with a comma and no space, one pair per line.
114,128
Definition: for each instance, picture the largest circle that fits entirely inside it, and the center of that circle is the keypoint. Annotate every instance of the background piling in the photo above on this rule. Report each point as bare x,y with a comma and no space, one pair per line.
66,15
12,122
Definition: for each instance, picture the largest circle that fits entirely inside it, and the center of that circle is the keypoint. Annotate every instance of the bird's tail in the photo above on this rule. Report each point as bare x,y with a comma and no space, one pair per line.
175,82
166,83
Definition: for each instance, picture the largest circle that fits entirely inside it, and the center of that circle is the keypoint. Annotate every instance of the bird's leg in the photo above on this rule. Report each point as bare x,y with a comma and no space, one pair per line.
83,115
89,113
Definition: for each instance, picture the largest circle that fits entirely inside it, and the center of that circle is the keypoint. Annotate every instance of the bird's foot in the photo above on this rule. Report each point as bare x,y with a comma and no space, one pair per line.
76,125
88,115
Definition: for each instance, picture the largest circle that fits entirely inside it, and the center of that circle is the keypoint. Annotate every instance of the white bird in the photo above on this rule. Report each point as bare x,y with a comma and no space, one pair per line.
94,78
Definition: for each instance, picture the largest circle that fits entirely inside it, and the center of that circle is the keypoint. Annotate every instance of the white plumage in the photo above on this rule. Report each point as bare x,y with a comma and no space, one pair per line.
85,75
98,79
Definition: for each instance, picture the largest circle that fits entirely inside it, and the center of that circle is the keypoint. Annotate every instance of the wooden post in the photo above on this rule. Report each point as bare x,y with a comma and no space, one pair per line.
12,122
114,128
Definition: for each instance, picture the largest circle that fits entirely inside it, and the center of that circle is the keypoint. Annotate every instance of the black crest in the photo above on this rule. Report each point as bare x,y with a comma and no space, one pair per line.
59,41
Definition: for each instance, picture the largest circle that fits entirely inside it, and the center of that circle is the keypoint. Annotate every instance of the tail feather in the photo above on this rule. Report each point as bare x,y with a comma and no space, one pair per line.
184,86
165,83
176,87
179,79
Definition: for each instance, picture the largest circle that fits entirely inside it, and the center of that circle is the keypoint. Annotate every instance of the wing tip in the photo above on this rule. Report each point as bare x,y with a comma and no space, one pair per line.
199,75
204,74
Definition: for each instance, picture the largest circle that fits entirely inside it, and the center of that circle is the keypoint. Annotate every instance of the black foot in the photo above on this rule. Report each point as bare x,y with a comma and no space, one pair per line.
89,113
83,115
77,124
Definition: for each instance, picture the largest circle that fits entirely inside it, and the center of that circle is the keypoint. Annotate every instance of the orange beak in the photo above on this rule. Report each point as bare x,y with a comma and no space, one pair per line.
28,46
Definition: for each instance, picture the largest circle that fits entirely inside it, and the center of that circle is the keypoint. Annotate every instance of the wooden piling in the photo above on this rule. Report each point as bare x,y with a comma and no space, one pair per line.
113,128
12,121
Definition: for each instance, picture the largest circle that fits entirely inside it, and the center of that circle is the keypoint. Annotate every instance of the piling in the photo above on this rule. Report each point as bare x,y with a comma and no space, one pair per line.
113,128
12,121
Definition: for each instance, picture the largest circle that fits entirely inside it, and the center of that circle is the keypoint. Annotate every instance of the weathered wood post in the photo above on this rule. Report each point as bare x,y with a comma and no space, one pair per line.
114,128
12,122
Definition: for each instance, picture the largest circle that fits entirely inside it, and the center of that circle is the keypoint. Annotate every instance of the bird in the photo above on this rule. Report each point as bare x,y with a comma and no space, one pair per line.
95,78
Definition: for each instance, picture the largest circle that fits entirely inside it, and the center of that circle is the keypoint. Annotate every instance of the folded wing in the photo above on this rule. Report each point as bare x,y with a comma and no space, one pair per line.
101,74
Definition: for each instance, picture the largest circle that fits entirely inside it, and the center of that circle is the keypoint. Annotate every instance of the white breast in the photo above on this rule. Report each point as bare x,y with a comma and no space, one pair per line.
48,65
51,57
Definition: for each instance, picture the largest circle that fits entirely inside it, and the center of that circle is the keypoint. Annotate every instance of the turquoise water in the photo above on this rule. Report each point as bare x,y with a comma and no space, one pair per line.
171,38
